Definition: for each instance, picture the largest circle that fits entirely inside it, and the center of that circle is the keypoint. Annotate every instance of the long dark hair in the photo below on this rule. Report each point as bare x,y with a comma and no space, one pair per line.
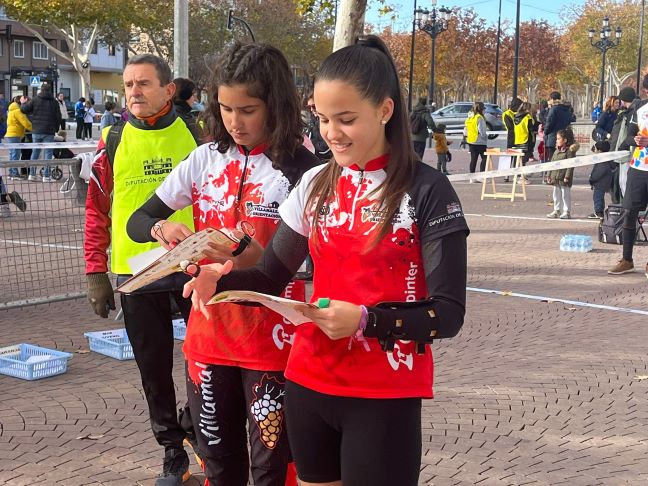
369,68
264,71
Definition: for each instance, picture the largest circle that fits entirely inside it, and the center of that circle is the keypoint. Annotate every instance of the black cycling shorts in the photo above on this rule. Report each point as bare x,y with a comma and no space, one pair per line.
362,441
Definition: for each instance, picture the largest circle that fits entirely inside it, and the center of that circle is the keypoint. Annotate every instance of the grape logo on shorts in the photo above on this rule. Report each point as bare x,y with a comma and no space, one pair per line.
271,211
267,409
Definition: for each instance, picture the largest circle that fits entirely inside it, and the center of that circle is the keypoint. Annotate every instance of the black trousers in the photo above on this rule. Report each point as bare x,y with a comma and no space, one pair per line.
419,148
87,131
476,151
79,128
147,315
635,200
222,399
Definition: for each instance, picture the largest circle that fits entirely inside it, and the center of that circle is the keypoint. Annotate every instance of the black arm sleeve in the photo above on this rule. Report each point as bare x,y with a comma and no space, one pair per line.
279,263
439,316
141,221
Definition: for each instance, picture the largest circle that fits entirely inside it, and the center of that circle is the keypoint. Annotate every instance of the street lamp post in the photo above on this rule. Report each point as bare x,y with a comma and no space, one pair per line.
54,69
230,23
641,26
604,44
411,66
432,23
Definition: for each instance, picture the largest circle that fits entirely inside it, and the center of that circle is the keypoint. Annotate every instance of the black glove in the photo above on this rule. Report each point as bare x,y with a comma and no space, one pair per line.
100,293
463,143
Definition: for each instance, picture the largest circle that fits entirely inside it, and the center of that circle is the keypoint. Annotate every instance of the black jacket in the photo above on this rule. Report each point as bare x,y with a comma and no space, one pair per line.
44,113
602,175
559,117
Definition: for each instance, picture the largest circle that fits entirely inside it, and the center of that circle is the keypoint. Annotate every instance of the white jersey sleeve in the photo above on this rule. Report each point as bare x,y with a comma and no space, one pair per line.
293,209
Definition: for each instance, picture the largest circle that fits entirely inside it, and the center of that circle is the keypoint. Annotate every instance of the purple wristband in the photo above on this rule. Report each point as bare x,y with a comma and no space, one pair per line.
364,317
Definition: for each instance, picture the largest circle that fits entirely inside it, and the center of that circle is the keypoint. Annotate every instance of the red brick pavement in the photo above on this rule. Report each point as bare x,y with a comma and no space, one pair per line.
530,392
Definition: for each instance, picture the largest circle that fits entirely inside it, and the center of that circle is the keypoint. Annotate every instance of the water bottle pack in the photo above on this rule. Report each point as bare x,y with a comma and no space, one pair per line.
578,243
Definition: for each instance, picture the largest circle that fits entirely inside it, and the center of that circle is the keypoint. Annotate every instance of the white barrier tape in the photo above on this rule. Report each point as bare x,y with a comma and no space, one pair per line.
618,157
489,132
48,145
559,300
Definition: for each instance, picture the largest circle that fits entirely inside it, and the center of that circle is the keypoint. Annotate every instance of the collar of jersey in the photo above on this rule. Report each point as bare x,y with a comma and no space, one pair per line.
374,164
259,149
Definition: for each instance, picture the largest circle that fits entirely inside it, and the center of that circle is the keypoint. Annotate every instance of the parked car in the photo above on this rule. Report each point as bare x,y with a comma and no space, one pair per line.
454,116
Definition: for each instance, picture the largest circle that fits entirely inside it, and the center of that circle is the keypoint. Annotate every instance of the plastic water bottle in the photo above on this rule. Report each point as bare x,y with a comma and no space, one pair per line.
571,245
580,243
563,243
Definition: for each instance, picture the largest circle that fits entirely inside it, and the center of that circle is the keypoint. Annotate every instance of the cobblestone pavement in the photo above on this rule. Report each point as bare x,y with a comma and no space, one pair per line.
532,391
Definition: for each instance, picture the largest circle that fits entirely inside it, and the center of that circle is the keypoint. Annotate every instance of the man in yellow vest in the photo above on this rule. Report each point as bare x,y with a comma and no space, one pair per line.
132,160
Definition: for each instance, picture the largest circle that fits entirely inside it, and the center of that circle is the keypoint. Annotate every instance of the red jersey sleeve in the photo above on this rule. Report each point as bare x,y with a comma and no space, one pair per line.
97,225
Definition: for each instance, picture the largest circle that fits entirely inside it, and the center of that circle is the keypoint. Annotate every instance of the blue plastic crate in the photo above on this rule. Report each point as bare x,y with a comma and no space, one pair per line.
32,362
113,343
179,329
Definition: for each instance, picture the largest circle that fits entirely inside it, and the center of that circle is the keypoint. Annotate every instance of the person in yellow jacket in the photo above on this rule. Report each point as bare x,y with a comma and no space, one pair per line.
475,133
17,124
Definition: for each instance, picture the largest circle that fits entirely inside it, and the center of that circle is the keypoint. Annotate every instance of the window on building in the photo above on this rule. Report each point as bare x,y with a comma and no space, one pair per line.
63,46
19,48
111,49
39,50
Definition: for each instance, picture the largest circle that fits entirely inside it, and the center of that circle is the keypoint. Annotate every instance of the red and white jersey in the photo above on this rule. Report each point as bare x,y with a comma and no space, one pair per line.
225,189
347,268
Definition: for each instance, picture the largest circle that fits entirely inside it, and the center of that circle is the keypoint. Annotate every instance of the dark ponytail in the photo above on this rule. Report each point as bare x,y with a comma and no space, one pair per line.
369,68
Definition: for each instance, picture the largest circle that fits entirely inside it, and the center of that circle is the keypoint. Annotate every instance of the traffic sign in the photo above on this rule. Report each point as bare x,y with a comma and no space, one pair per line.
34,81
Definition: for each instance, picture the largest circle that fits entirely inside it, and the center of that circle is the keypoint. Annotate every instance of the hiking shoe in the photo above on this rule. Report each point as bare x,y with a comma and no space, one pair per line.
553,214
176,468
565,215
594,216
15,198
623,266
190,441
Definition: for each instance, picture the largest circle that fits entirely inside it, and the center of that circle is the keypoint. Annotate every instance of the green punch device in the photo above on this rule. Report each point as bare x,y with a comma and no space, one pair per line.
323,302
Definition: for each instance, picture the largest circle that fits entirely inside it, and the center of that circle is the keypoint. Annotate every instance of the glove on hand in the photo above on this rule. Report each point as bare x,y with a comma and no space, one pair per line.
463,143
100,294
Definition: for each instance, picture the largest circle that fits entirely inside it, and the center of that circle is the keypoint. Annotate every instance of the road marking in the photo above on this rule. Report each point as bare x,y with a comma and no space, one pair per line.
562,301
44,245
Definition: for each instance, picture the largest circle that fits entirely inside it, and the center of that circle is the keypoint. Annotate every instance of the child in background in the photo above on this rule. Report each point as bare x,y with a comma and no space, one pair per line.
601,179
562,179
441,146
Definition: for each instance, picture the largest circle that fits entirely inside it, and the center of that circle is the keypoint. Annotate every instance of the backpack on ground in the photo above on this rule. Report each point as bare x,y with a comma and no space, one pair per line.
610,228
417,121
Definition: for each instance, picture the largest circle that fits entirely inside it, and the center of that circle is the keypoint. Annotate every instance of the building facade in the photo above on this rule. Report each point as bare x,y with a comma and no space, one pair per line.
26,63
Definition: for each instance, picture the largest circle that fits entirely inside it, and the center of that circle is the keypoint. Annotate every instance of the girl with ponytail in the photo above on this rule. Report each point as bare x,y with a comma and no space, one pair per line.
388,240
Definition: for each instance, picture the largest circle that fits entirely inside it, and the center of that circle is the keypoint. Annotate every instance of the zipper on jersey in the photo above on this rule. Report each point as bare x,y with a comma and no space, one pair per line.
242,181
355,198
